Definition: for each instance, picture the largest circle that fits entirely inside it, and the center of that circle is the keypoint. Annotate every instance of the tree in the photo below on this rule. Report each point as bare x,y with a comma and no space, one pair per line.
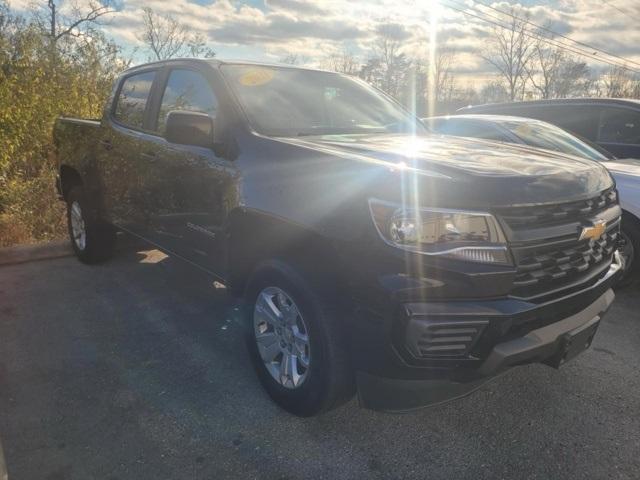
511,53
79,22
165,37
33,92
553,74
493,92
543,69
293,59
342,62
619,82
442,74
388,68
573,79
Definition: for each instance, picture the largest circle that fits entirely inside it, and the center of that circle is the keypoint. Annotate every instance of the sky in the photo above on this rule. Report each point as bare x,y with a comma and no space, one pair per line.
272,29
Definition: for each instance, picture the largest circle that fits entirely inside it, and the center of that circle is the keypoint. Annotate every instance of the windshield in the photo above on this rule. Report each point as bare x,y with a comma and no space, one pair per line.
550,137
294,102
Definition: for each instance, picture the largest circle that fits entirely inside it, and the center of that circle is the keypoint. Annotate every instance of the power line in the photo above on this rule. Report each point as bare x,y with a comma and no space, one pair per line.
555,43
613,6
546,29
563,46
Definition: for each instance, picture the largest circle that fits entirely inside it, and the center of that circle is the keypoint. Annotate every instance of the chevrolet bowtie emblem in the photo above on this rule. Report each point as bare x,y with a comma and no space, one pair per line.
595,231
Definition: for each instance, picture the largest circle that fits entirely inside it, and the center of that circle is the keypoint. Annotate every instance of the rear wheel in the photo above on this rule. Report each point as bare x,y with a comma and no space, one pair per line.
92,239
297,340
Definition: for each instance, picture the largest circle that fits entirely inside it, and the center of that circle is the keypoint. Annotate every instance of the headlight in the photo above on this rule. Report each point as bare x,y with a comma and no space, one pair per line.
463,235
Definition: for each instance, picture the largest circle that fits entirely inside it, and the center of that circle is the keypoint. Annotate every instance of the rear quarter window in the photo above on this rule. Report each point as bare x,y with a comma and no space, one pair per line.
132,99
619,125
579,119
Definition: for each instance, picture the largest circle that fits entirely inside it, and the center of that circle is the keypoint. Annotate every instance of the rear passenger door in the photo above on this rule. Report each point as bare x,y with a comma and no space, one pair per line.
619,131
122,150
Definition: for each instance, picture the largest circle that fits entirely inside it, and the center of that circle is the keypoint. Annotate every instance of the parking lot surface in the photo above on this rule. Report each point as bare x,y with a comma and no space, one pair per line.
136,369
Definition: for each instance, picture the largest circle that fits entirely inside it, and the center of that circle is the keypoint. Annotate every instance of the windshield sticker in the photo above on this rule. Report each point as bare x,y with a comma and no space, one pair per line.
256,77
523,129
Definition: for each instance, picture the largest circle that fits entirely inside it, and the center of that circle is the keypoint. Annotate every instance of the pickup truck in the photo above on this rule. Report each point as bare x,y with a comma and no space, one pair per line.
371,257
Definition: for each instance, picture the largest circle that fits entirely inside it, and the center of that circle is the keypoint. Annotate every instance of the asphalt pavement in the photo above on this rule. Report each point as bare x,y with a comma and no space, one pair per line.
136,369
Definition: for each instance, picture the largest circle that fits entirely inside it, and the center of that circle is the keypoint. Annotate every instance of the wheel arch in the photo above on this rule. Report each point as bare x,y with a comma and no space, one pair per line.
630,216
69,178
254,236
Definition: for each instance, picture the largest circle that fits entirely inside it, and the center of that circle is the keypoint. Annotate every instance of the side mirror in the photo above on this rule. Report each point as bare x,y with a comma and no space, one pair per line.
189,128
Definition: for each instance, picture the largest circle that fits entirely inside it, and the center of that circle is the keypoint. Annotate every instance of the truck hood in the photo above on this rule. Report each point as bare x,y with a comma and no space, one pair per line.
471,171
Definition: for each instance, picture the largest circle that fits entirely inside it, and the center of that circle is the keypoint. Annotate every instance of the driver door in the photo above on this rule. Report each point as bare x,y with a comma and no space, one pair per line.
192,185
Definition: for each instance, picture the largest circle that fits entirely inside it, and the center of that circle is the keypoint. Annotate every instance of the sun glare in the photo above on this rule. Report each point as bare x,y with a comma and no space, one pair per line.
434,13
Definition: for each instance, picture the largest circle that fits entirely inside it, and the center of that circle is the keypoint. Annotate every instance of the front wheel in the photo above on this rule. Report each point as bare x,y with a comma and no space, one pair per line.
92,239
297,340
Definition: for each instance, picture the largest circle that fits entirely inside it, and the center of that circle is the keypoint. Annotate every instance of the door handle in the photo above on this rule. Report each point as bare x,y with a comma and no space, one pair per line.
106,143
151,156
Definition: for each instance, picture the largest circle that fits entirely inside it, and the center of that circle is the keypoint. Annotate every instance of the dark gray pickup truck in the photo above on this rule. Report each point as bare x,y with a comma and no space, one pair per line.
371,257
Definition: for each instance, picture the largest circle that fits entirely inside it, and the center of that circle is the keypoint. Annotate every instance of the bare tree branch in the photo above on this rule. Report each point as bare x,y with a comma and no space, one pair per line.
511,53
342,62
96,10
165,37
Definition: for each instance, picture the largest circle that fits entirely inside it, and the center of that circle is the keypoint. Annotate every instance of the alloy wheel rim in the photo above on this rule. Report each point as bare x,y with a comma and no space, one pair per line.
78,228
282,337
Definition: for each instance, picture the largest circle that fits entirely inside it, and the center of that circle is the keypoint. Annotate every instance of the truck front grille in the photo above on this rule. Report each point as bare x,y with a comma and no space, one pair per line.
543,215
557,260
546,268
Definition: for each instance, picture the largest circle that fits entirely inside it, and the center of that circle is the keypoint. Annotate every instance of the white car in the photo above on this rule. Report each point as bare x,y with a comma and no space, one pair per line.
539,134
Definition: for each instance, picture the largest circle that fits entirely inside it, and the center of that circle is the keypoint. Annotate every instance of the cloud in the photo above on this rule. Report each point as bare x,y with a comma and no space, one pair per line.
299,6
278,29
395,31
316,29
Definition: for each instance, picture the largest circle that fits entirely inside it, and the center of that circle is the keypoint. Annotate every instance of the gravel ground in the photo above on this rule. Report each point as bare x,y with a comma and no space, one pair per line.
136,369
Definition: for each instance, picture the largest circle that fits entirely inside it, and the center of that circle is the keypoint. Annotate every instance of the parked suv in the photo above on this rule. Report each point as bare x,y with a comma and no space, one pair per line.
612,123
371,257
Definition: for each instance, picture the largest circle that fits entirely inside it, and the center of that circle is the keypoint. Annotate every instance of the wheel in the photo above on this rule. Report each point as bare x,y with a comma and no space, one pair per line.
92,240
297,341
629,249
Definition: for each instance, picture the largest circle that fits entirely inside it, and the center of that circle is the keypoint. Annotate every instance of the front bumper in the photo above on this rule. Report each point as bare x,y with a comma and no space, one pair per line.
543,344
398,384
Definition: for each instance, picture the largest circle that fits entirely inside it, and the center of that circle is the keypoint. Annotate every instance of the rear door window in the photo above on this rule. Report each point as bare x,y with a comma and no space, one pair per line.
186,90
132,99
619,125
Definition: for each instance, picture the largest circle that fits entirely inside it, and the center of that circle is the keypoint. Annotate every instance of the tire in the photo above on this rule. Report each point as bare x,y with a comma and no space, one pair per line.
92,239
630,249
328,380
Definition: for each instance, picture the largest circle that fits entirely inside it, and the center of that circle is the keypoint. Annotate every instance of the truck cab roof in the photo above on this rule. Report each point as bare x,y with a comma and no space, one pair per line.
217,62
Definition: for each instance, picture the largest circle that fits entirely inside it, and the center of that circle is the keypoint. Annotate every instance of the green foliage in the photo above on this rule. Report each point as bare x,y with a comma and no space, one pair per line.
40,80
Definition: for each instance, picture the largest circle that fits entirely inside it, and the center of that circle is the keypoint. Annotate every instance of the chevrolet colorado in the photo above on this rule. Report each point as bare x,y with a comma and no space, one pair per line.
539,134
371,256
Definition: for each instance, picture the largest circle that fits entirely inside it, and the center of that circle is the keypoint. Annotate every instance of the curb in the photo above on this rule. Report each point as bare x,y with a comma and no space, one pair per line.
30,253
